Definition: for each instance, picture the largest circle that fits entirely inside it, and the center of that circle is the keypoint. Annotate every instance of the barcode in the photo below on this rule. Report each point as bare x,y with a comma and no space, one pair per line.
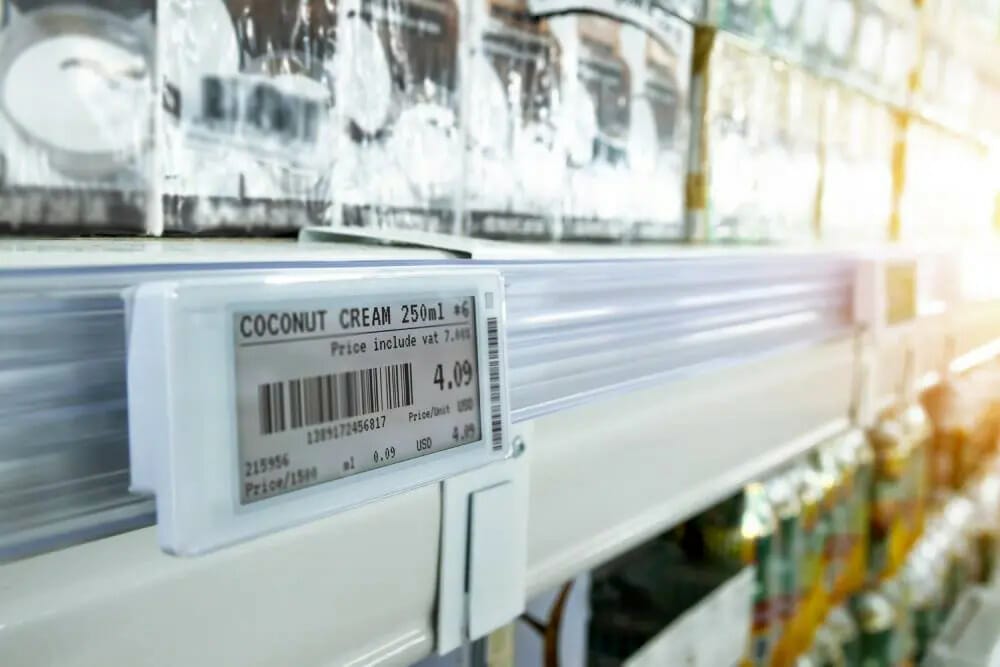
493,347
325,398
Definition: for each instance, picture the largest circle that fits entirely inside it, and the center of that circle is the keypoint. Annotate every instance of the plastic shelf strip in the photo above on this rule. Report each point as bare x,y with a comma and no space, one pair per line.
578,331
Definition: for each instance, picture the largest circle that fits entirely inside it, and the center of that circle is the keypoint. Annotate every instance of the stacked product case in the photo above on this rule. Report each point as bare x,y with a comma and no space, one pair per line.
319,113
513,119
76,101
370,114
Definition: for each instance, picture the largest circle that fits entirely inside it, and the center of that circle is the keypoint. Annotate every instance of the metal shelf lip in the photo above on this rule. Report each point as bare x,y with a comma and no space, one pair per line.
578,331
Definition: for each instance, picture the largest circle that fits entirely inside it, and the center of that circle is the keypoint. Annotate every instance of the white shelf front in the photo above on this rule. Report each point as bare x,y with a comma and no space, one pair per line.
358,588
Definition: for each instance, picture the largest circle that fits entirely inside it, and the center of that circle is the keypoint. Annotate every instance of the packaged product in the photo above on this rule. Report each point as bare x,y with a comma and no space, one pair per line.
76,103
246,122
877,622
859,138
812,489
857,455
901,51
899,593
790,554
869,52
812,32
399,143
659,129
845,630
595,124
889,498
724,179
739,16
782,25
840,36
282,114
949,189
925,602
515,166
790,153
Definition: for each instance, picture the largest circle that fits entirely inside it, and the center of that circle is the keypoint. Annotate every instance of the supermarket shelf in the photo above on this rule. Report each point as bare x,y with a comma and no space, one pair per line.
579,331
648,387
608,476
604,476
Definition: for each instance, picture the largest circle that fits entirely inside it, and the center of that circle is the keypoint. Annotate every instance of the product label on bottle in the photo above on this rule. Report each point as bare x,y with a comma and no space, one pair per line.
329,390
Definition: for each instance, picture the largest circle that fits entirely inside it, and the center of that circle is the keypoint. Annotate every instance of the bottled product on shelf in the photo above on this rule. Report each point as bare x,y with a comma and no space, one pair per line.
857,553
744,531
790,551
876,618
925,537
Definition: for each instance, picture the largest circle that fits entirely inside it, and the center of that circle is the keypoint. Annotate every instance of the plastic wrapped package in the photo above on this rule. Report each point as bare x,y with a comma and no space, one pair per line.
836,210
594,125
955,49
76,100
515,165
622,128
949,188
774,153
723,193
840,35
744,17
959,93
781,26
659,130
902,50
247,123
878,127
790,154
931,76
283,113
869,52
399,142
859,137
812,32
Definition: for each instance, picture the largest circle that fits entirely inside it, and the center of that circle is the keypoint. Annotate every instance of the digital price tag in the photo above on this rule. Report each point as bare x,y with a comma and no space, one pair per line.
326,392
259,403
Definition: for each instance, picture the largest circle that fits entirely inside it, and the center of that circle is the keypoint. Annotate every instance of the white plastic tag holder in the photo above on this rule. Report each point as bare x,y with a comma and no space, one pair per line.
183,413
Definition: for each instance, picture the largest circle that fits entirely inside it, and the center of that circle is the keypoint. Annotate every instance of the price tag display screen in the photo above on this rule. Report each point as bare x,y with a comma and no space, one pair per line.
328,390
